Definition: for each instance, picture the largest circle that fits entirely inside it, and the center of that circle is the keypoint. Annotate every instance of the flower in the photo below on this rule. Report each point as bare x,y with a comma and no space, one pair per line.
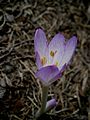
52,58
51,104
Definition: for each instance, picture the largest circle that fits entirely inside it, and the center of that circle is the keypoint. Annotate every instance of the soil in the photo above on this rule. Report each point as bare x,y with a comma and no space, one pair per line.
20,90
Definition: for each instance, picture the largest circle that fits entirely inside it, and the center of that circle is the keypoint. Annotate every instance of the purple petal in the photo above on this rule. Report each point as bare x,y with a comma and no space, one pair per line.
69,51
57,46
40,42
38,61
51,104
59,75
47,74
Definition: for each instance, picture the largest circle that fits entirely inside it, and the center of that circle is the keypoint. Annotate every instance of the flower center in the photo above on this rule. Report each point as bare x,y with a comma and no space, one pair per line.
43,60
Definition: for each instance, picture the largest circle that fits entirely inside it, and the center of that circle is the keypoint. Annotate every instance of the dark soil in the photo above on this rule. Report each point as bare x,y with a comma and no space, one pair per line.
20,91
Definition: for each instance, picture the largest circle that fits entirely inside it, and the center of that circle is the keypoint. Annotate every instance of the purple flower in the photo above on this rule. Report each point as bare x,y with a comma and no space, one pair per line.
51,104
52,58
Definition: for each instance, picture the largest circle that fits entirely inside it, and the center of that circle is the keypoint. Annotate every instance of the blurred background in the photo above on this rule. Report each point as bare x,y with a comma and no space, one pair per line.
20,91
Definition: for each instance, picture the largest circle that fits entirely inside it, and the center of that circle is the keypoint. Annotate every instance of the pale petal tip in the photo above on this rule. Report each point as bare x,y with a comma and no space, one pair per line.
39,29
61,35
74,39
51,104
72,43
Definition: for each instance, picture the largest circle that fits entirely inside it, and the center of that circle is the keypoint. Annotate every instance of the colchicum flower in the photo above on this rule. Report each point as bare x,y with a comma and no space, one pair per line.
52,58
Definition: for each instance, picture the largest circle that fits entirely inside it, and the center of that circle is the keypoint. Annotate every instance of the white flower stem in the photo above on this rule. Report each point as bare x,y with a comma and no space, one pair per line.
44,101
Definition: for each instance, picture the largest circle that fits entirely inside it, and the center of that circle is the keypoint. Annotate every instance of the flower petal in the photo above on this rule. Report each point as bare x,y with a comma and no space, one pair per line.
56,47
51,104
47,74
38,61
40,42
58,75
69,51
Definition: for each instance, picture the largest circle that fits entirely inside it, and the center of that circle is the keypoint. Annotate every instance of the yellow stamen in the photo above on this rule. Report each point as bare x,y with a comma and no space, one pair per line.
52,53
43,60
56,63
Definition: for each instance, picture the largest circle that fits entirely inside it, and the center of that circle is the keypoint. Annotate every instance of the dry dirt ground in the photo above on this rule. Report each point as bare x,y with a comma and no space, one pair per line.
20,91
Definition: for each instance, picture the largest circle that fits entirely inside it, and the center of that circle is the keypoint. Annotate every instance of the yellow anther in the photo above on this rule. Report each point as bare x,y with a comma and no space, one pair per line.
43,60
56,63
52,53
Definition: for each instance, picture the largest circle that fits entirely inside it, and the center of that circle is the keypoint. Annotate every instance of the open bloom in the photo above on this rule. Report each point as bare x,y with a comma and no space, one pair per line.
52,58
